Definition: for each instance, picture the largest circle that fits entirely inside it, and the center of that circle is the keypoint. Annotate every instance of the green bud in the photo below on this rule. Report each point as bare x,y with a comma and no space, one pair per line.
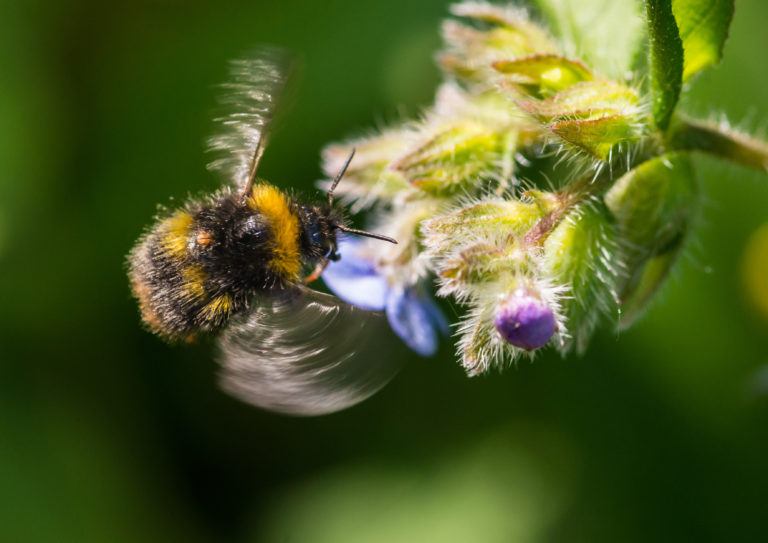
479,264
481,244
580,255
542,75
487,217
593,116
479,345
506,34
457,156
368,178
597,137
588,100
653,206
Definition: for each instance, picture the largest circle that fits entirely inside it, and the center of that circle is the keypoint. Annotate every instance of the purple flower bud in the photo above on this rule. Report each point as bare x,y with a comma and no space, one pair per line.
524,320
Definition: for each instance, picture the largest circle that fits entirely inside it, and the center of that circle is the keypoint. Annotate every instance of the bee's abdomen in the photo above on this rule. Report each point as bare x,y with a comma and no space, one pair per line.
203,264
173,289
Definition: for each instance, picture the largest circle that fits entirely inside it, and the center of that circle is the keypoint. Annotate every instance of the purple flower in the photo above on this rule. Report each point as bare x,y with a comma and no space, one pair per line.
524,320
413,316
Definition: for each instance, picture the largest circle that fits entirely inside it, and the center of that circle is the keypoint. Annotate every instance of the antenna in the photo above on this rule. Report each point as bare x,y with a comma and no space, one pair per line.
366,234
330,203
339,176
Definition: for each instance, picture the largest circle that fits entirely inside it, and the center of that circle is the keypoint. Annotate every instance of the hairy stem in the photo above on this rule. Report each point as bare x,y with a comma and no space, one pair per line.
566,199
582,190
709,138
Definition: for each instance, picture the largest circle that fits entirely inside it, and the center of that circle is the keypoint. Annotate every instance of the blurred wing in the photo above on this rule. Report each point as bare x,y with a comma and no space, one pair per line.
249,100
307,355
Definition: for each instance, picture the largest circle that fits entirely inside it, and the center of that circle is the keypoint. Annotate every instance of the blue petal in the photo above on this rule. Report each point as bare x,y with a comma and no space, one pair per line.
410,318
352,262
355,279
439,322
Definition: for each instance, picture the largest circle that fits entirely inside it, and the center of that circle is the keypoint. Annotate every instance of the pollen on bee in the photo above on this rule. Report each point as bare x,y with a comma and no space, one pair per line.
193,278
203,238
219,306
176,229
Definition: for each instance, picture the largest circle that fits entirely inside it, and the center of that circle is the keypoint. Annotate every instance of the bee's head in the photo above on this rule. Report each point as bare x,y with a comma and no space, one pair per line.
319,226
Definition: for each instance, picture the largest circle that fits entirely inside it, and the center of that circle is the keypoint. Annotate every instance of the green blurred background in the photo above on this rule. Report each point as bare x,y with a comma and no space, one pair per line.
107,434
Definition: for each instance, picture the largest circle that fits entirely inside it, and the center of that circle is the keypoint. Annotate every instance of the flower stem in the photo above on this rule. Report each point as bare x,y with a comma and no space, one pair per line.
709,138
585,188
579,191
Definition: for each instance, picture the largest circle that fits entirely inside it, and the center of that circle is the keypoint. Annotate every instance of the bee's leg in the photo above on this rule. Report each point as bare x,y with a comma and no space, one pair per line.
318,271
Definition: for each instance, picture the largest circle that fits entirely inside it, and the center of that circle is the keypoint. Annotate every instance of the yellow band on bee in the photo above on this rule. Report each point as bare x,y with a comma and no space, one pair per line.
276,207
193,279
175,231
218,307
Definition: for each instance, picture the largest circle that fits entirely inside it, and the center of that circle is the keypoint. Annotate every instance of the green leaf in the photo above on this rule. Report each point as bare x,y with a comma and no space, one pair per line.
703,28
651,202
605,34
666,60
645,283
653,206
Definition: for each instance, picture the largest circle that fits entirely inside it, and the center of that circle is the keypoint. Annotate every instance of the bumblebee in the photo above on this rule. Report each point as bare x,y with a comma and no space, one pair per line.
237,261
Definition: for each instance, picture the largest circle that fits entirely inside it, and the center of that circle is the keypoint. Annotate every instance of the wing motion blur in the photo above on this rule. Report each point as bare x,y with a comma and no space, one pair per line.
249,100
309,354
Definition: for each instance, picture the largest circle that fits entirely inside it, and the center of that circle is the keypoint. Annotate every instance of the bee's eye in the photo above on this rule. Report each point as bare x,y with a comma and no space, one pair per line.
312,231
317,236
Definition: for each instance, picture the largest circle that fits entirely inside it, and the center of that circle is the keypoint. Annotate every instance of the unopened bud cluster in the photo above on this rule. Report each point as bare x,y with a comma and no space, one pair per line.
535,192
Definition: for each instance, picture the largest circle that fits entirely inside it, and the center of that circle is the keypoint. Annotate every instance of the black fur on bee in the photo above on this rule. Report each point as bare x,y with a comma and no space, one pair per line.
201,265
